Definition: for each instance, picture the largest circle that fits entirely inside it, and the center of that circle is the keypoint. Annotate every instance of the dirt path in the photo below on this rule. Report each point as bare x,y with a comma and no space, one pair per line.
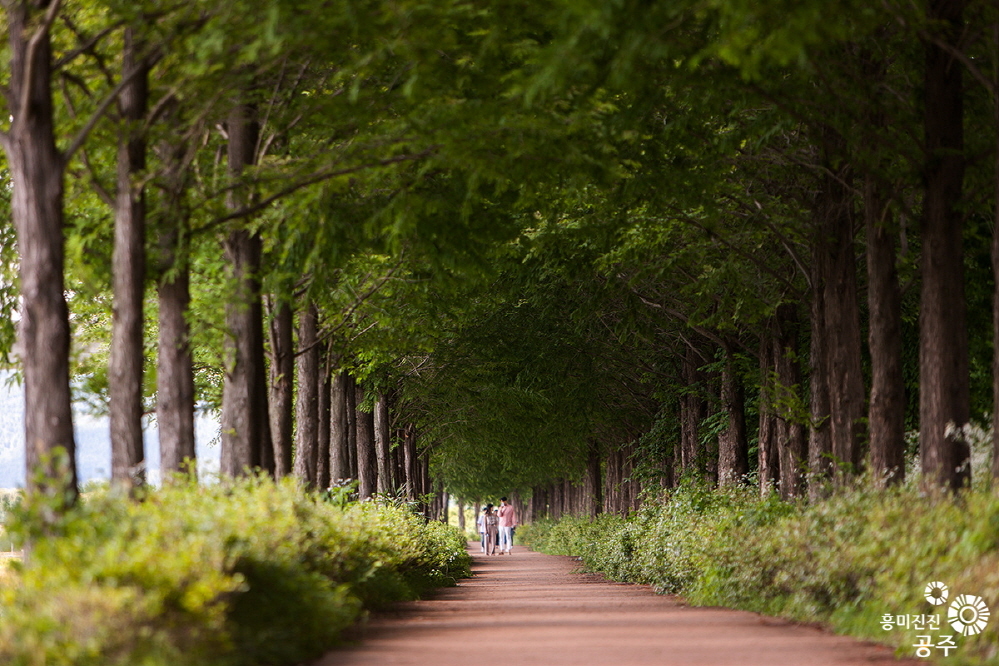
530,609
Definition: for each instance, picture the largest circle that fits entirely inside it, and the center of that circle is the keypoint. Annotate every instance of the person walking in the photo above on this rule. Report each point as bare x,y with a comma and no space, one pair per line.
491,521
481,521
507,521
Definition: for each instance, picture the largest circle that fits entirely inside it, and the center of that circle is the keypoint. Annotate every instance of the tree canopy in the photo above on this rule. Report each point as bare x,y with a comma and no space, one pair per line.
532,243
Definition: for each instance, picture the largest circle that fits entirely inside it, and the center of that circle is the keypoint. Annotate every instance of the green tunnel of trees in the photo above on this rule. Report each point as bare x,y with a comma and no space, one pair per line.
563,249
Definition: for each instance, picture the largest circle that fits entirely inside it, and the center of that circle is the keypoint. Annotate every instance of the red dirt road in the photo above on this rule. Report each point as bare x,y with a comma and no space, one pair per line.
530,609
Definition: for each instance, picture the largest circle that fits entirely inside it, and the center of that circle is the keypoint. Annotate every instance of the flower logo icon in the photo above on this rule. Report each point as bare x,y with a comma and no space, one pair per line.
968,614
936,593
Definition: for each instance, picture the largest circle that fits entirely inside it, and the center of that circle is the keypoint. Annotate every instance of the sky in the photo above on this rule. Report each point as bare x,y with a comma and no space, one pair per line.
93,457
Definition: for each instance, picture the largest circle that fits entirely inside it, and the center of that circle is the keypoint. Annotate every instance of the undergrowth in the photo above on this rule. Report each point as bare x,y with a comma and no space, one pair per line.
240,573
846,561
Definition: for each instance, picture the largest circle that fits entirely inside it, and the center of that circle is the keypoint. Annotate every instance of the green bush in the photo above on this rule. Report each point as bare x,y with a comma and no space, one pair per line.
844,561
248,572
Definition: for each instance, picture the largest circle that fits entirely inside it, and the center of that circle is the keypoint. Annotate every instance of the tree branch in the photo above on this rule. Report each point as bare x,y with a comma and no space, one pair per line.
102,108
84,46
317,177
29,64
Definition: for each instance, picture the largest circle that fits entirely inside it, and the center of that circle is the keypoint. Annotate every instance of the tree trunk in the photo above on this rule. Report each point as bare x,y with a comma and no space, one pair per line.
350,395
594,493
324,434
410,462
398,461
692,411
612,483
425,487
383,443
367,459
264,458
943,340
632,484
307,400
995,278
886,422
128,277
733,446
339,457
175,366
792,446
767,457
36,168
842,315
241,423
820,463
282,387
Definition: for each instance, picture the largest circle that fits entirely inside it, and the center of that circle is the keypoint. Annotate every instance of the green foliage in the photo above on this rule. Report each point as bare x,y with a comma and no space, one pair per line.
248,572
8,272
845,561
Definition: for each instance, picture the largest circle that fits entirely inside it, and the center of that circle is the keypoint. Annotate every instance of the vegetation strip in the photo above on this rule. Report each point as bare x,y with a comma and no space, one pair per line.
239,573
847,562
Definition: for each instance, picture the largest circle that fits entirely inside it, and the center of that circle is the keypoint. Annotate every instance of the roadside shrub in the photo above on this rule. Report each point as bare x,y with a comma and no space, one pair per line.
245,572
844,561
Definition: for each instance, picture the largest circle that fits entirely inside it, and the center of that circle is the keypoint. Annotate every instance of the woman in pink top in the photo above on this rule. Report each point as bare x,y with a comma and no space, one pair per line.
507,521
491,521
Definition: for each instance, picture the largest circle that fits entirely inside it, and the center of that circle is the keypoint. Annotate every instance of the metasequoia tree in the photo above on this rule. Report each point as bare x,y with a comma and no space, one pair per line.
37,169
242,420
128,267
943,343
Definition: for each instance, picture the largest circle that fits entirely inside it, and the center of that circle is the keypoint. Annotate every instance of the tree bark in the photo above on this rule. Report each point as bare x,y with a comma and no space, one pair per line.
692,411
241,422
307,400
264,455
350,395
995,278
367,459
842,314
282,387
325,432
128,276
398,461
425,486
383,443
410,463
175,365
594,493
792,447
767,457
884,298
733,446
339,458
36,168
820,463
943,339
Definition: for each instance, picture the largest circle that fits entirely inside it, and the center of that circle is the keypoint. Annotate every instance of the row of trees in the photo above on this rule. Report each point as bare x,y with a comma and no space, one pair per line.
277,134
767,157
536,248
